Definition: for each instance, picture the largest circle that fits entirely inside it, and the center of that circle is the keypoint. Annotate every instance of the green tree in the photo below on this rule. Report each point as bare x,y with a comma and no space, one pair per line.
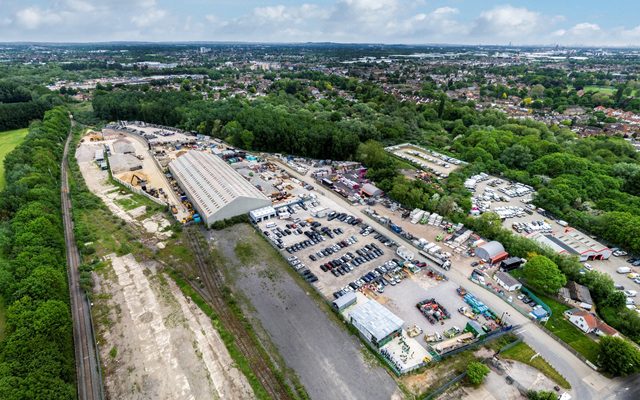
373,155
544,275
476,372
618,357
600,285
615,300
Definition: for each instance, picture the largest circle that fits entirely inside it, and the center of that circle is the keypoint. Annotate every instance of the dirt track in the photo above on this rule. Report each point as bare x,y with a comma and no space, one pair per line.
166,348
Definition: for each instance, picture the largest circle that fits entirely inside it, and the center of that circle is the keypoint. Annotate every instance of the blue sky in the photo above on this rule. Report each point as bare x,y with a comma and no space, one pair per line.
565,22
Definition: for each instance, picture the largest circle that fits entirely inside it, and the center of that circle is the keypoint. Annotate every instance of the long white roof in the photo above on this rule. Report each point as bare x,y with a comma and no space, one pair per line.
210,181
376,319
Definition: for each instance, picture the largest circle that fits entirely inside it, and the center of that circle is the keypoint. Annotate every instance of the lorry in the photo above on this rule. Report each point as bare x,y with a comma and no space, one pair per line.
436,259
395,228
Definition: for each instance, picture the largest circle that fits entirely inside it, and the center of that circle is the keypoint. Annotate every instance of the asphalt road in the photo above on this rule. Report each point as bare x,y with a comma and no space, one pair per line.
88,376
586,383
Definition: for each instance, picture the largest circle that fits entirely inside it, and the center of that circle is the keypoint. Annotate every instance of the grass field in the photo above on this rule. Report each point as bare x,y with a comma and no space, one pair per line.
523,353
603,89
9,140
569,333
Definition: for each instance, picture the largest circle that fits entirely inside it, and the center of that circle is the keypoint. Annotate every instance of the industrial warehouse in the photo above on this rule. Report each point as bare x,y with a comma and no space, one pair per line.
217,191
574,242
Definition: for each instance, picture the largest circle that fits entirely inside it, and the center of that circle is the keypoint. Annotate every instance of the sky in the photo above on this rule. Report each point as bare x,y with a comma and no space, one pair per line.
541,22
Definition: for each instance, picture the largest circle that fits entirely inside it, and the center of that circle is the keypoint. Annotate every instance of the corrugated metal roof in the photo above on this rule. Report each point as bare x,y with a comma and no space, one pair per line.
345,299
210,182
490,250
376,319
507,279
370,189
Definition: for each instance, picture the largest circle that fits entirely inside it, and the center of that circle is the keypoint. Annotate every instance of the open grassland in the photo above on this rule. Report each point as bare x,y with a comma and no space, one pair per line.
9,140
604,89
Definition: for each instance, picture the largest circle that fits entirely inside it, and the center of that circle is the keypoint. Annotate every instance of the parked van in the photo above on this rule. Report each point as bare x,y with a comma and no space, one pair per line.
623,270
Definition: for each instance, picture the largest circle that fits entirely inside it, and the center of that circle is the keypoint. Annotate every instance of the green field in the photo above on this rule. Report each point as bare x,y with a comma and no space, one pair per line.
567,332
9,140
525,354
603,89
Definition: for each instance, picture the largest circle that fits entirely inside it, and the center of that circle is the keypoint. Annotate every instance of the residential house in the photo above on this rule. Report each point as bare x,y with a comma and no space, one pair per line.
588,323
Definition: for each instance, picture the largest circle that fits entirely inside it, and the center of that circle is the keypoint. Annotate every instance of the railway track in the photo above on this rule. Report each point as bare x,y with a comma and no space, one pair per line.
214,284
88,375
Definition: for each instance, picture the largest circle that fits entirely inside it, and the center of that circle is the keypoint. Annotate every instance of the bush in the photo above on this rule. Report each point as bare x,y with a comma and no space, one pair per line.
541,395
225,223
476,372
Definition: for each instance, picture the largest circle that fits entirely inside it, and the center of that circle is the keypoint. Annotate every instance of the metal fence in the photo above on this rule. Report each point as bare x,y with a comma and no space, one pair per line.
536,299
444,387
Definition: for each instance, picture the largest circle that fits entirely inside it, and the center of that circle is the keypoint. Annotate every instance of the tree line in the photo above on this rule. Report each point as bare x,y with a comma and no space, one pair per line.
36,357
19,106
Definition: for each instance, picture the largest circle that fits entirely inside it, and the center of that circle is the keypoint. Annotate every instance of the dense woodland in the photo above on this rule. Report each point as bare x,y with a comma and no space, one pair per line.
19,105
36,357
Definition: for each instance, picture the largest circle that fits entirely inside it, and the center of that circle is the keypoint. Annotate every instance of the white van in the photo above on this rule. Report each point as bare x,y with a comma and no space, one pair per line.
623,270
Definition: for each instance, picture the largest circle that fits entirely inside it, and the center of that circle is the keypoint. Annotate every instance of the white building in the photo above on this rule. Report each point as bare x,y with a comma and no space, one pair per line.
216,190
507,281
375,323
262,214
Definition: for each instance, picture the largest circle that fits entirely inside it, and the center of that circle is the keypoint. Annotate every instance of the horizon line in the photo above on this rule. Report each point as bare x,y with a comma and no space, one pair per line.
390,44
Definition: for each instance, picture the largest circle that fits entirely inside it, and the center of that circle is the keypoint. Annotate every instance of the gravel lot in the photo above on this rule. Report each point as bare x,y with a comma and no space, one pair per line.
402,299
329,361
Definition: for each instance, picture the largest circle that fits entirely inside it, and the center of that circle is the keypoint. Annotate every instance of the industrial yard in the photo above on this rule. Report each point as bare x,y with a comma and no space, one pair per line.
390,285
429,161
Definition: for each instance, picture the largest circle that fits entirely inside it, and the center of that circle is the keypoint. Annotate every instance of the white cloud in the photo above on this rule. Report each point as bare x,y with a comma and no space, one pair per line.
149,18
508,21
585,28
434,26
33,17
397,21
80,6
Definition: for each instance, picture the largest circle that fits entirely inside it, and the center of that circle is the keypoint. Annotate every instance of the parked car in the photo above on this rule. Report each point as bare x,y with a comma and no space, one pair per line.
630,293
